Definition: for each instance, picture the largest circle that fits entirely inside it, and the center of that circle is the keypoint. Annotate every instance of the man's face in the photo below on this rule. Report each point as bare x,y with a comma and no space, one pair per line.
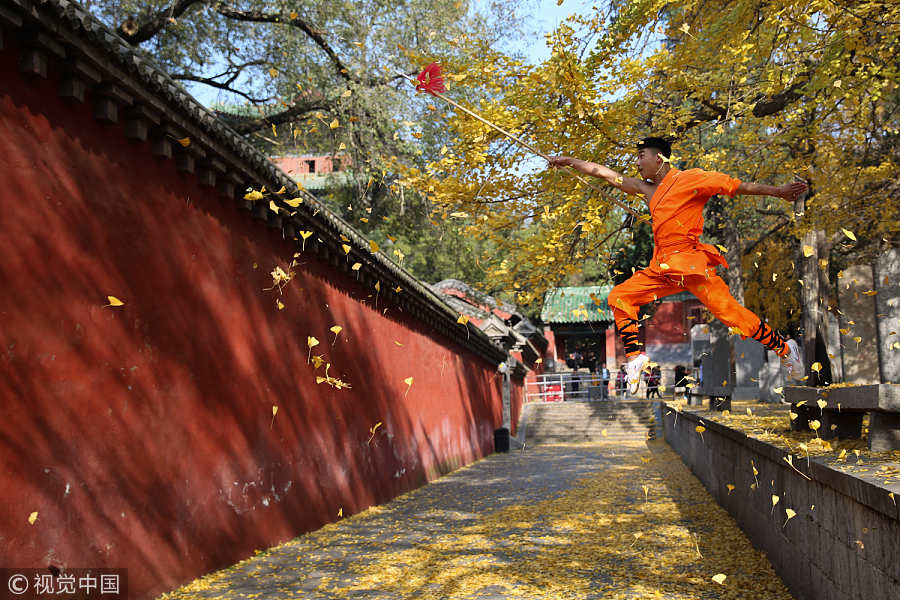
648,162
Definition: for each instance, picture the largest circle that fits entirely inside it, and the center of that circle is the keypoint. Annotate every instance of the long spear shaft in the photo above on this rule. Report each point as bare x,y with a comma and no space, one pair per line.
524,144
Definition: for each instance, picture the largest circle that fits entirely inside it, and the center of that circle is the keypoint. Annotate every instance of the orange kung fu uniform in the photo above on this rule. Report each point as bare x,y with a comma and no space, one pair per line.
680,261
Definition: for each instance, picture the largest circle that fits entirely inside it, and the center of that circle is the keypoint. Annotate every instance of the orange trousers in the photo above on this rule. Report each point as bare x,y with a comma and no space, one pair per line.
645,286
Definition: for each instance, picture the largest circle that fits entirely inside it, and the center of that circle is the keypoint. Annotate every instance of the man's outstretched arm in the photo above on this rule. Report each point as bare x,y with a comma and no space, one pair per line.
788,191
629,185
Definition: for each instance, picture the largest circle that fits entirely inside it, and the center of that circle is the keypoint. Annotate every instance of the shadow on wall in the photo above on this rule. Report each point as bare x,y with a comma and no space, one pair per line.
144,435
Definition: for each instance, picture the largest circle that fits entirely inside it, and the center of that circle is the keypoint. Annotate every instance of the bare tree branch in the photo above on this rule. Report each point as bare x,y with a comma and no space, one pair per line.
210,81
315,34
136,34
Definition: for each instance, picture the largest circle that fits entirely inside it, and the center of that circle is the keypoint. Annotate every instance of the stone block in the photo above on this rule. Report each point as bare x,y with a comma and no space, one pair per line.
846,425
884,432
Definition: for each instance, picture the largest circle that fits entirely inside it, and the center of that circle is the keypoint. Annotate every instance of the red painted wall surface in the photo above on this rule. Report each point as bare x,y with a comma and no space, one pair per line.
667,326
143,435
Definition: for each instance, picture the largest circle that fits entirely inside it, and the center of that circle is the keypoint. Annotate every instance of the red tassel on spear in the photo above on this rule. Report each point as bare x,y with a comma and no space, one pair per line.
431,81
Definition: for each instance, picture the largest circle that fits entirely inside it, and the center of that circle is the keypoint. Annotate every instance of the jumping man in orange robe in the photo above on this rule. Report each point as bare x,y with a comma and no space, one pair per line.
680,261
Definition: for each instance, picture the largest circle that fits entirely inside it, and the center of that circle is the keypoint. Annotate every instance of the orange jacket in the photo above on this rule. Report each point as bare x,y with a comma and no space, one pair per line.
677,212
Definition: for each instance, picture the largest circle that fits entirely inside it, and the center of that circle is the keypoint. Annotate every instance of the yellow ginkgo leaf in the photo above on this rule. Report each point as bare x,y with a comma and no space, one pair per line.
356,266
814,425
463,319
32,518
408,381
334,124
113,301
849,234
816,366
346,94
821,403
294,202
273,207
336,329
699,428
790,513
346,248
341,512
279,304
311,341
185,141
373,246
293,15
274,410
775,500
343,146
730,487
792,415
719,578
273,72
808,251
253,195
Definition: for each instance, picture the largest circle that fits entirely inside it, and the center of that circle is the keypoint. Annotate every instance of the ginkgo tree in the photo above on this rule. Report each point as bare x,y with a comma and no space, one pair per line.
763,91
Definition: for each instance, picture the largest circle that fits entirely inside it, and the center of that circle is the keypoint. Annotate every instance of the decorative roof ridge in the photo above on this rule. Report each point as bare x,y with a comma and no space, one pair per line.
76,37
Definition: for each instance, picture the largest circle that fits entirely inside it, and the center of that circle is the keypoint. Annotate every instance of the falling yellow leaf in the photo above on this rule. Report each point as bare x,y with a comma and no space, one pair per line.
343,146
816,366
373,246
849,234
346,94
294,202
730,487
719,578
463,319
185,141
273,207
32,518
821,403
304,235
279,304
113,301
408,381
775,500
792,415
293,15
814,425
310,341
808,251
334,124
274,410
341,512
356,266
870,292
346,248
253,195
699,428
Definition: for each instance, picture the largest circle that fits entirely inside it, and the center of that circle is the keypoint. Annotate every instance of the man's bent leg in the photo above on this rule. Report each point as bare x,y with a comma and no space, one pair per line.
626,299
716,296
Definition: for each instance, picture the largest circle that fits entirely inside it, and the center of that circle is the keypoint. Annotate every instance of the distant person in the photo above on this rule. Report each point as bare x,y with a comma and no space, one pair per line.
604,382
621,379
653,382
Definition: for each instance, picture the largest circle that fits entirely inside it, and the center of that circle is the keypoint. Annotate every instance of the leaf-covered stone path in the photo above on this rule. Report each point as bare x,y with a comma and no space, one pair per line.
586,521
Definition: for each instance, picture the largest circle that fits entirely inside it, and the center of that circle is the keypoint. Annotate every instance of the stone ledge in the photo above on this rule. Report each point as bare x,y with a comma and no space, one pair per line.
843,540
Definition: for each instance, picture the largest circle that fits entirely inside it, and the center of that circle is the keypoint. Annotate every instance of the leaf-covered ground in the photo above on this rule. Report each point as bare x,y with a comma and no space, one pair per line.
586,521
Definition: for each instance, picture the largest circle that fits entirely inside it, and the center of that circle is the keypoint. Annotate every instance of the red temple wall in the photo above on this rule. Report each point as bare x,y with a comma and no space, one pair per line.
143,435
